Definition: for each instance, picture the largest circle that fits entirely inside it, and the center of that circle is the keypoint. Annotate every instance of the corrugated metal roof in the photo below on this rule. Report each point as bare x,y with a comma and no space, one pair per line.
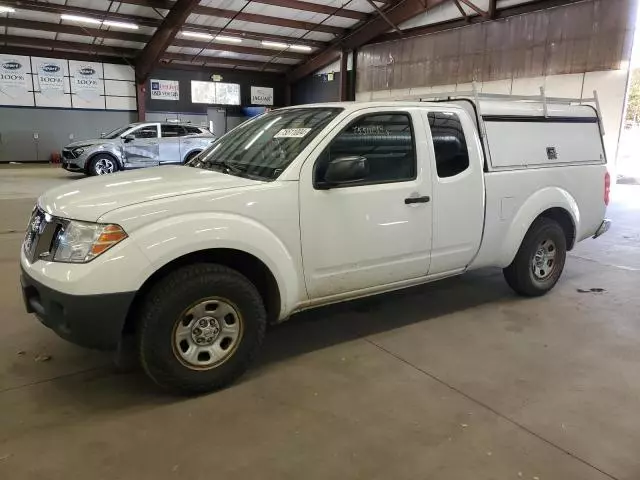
309,25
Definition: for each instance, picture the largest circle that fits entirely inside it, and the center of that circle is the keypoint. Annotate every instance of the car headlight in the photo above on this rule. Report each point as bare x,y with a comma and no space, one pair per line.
81,242
78,151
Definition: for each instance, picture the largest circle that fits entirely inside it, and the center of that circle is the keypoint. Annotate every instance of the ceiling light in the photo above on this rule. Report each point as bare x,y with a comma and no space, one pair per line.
113,23
302,48
76,18
206,36
274,44
223,38
7,9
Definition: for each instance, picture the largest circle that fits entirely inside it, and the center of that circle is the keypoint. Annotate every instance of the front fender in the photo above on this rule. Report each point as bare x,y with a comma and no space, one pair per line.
168,239
531,208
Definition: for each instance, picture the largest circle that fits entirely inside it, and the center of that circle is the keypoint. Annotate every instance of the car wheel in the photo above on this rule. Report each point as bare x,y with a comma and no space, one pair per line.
191,156
199,329
540,260
103,164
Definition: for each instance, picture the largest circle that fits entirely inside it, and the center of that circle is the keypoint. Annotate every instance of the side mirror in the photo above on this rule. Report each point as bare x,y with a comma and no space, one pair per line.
128,138
102,135
345,170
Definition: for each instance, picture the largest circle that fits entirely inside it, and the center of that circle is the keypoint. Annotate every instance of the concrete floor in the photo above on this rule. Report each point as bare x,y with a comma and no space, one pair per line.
456,380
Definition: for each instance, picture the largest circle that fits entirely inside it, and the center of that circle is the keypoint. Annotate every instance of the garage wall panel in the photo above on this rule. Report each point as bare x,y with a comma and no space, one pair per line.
54,128
594,35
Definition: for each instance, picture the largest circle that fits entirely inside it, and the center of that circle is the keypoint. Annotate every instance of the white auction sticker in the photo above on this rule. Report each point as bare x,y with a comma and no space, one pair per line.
292,133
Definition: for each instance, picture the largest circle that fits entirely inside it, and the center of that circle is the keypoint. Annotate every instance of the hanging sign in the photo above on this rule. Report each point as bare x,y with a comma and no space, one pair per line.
261,96
14,78
51,77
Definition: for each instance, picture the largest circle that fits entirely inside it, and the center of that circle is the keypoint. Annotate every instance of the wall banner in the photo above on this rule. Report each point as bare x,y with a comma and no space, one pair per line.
165,89
51,77
15,81
86,82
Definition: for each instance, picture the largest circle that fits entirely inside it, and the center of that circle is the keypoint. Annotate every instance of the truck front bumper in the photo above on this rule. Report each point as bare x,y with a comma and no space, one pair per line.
92,321
604,228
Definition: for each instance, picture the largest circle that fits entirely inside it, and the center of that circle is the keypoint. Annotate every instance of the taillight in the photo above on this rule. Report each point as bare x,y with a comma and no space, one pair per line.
607,188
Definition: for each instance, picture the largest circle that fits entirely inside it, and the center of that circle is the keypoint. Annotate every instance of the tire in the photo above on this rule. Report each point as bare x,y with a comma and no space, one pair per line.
191,156
169,327
540,260
102,164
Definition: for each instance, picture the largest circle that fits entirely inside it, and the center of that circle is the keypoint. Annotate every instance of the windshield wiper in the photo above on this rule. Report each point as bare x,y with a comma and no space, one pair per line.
231,168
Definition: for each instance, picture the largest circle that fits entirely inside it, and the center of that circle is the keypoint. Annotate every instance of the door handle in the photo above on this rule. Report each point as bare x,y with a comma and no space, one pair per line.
412,200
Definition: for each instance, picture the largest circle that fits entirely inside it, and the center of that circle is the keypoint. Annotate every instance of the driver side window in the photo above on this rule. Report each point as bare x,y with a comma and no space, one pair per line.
149,131
386,140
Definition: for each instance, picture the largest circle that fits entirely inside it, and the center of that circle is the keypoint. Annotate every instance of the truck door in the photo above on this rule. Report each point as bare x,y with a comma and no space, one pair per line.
458,189
170,139
377,230
142,149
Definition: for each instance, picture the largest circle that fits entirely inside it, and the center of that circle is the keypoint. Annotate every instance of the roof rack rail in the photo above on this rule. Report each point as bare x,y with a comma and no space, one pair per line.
477,96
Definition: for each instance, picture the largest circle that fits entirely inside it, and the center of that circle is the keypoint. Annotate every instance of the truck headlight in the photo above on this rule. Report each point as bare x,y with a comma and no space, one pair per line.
81,242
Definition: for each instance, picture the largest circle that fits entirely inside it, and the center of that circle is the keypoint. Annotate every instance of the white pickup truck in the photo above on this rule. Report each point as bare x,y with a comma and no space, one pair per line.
308,206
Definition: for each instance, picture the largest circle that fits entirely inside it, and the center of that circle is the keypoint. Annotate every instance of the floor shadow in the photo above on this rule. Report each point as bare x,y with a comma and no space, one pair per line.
326,326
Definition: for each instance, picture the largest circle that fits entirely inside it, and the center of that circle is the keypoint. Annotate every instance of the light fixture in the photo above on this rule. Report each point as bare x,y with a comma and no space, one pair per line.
4,9
302,48
274,44
224,38
206,36
113,23
76,18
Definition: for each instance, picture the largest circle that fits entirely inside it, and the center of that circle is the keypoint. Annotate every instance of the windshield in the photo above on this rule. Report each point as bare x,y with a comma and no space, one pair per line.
262,148
117,132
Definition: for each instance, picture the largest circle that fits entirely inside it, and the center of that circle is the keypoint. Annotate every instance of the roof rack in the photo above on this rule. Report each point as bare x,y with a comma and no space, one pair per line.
542,98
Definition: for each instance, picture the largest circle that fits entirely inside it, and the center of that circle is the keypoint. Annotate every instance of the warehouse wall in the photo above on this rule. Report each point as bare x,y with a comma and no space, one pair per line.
53,127
570,50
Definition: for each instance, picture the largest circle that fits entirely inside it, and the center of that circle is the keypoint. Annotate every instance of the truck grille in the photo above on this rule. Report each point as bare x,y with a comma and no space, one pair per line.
40,236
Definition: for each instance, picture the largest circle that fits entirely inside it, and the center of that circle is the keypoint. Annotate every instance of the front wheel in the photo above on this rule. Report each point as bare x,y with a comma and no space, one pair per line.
191,156
200,328
540,259
102,164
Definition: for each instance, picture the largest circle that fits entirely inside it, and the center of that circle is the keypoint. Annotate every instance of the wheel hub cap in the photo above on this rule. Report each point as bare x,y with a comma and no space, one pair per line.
104,166
543,262
207,333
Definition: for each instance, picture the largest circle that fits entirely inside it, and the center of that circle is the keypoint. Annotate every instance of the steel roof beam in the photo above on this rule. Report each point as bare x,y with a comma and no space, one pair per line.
151,22
292,4
137,37
162,38
398,12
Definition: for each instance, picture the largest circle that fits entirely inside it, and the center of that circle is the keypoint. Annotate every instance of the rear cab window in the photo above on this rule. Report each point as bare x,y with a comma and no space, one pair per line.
449,144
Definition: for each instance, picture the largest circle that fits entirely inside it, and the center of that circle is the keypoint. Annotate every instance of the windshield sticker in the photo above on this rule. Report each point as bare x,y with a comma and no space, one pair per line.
292,133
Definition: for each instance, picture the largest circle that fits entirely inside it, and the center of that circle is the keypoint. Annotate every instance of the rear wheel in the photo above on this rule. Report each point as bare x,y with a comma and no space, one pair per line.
102,164
540,260
200,328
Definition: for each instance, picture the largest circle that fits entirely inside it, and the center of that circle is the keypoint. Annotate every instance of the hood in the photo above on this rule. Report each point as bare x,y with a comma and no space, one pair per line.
90,198
88,143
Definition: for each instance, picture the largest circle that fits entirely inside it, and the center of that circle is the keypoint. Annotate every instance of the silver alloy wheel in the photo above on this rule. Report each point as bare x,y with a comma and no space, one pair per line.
207,333
544,260
104,166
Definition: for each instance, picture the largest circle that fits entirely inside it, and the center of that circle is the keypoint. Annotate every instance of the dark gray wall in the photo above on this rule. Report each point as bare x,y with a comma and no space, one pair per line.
246,79
316,89
53,127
